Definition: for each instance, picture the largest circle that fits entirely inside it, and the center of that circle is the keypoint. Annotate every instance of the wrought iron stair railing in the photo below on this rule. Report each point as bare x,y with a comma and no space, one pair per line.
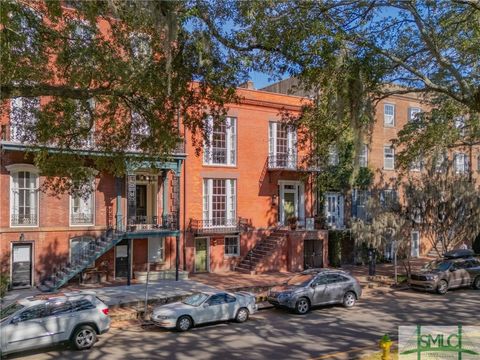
92,251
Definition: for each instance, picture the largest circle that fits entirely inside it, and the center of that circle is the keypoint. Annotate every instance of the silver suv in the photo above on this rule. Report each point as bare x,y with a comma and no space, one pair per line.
44,320
316,287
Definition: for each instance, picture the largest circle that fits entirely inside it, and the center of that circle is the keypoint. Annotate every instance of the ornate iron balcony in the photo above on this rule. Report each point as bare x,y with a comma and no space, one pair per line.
165,222
282,161
215,226
81,219
24,219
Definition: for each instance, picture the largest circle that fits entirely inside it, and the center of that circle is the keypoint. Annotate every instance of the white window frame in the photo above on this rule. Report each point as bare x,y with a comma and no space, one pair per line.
231,124
15,169
460,125
417,164
333,156
413,112
464,168
230,201
93,206
236,254
291,161
385,148
85,117
388,119
363,156
161,241
417,233
25,117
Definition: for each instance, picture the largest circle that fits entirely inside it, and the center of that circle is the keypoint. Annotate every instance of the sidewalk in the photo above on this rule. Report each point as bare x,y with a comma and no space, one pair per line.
236,281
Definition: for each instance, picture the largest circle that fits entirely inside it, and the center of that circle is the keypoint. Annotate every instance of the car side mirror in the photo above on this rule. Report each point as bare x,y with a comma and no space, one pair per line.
15,319
205,305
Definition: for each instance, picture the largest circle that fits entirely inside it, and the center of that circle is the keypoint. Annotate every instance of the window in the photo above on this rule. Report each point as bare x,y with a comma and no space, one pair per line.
23,195
333,157
28,40
80,305
359,204
23,118
282,142
219,202
140,130
461,126
82,33
413,113
388,198
35,312
83,114
417,164
80,249
217,299
478,163
389,115
221,146
363,156
232,246
388,158
156,249
82,205
461,163
440,162
415,244
140,46
60,308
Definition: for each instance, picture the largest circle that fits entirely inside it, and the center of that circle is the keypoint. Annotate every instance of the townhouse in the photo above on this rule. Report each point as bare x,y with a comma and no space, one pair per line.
378,155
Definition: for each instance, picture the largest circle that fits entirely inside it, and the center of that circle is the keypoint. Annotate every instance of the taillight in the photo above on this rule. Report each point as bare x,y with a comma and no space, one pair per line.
105,311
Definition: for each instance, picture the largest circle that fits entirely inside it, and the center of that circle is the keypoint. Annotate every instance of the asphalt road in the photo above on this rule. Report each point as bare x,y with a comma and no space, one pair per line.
325,333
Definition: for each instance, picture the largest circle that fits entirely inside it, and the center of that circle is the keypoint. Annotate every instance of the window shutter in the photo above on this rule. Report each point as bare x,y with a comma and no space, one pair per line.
207,147
232,141
272,131
354,203
206,199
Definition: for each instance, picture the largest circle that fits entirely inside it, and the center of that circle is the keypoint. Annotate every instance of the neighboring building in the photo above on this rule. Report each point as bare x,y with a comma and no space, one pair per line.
391,115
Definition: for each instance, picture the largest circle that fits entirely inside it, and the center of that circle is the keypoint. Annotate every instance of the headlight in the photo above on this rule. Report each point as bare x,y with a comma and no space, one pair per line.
431,277
285,295
163,317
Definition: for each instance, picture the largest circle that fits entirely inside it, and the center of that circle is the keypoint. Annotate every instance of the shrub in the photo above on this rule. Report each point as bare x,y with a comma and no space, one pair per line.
3,285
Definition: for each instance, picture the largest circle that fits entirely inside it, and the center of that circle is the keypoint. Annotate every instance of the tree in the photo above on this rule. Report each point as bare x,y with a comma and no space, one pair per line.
444,205
122,72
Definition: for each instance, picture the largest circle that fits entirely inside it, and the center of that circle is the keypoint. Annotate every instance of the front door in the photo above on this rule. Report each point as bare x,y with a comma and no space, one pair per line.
121,259
334,209
201,255
141,203
312,252
21,266
291,201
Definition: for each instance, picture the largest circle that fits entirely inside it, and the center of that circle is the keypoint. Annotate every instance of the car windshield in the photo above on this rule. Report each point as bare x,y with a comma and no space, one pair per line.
9,310
439,265
299,280
195,299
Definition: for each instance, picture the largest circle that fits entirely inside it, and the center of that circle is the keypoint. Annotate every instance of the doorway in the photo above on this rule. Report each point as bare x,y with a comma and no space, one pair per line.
313,254
121,259
21,266
141,202
292,200
415,236
201,255
334,210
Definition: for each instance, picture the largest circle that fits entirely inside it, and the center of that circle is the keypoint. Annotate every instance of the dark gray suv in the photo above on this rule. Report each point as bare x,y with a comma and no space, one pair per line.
316,287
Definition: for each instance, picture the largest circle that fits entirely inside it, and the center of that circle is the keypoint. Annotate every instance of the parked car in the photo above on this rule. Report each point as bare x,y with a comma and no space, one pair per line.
205,307
447,273
44,320
316,287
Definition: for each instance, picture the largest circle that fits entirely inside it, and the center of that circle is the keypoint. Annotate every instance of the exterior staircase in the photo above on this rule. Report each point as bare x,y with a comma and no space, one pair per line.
263,248
66,271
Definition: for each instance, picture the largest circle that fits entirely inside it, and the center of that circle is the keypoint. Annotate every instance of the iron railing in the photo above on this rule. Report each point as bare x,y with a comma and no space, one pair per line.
164,222
81,219
24,219
216,226
283,161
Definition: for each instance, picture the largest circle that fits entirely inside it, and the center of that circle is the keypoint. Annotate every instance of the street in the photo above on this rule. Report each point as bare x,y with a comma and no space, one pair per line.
328,332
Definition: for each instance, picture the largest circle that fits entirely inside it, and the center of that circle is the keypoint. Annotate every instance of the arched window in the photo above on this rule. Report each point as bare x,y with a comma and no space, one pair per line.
23,195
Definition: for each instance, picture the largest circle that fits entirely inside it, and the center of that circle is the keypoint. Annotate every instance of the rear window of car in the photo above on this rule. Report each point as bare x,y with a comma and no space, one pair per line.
80,305
9,310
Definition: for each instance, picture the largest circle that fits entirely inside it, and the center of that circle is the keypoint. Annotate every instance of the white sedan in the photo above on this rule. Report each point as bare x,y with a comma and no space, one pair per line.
205,307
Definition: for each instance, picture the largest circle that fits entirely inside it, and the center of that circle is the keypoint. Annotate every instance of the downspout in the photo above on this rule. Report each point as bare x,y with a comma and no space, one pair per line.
184,245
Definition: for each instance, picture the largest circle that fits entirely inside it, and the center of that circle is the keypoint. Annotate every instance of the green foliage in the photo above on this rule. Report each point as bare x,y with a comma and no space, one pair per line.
364,178
385,338
335,248
3,285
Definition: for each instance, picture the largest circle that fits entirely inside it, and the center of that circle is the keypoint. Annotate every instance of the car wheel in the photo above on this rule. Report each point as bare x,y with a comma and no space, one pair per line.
476,283
442,287
302,306
84,337
184,323
349,299
242,315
